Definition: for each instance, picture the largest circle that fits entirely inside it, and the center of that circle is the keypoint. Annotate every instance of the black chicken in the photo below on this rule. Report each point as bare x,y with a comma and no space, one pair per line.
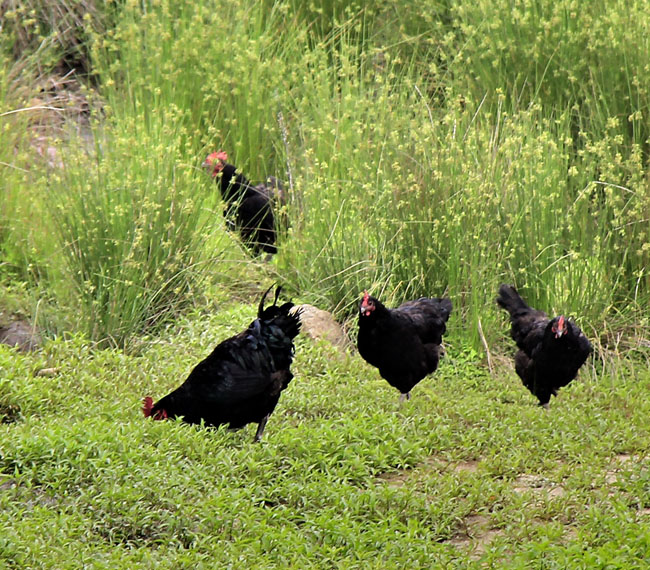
551,351
241,381
248,208
403,343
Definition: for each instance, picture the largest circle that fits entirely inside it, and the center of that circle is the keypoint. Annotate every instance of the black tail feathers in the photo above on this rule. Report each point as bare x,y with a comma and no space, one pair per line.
511,301
281,316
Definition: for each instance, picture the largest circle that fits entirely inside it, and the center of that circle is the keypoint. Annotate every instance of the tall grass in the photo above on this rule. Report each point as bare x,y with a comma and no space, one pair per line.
62,24
414,199
430,150
136,218
496,182
20,260
224,67
136,239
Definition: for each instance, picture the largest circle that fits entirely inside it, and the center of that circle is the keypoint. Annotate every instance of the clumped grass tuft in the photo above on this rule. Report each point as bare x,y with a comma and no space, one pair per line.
136,240
20,259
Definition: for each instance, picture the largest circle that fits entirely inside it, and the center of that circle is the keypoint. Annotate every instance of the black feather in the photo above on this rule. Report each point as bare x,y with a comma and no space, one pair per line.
403,343
241,380
250,209
544,362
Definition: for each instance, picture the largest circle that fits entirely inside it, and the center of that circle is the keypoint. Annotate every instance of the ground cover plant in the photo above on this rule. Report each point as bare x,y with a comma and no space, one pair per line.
469,473
427,149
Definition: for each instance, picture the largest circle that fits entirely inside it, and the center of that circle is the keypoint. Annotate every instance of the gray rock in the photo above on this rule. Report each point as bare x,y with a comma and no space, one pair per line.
21,335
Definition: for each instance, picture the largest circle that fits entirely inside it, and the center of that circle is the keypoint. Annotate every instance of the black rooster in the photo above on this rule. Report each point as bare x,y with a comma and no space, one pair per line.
249,209
403,343
241,381
551,351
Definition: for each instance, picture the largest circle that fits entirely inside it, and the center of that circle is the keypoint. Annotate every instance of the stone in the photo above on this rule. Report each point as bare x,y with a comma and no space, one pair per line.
319,324
21,335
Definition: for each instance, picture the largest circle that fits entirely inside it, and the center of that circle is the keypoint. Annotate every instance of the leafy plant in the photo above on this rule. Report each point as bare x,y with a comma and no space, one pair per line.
469,472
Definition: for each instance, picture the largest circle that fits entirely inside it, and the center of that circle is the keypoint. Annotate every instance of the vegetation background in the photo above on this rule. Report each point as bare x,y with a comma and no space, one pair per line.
429,148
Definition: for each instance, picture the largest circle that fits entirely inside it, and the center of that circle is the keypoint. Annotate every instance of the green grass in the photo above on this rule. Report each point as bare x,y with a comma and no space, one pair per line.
432,148
441,153
137,242
469,473
15,246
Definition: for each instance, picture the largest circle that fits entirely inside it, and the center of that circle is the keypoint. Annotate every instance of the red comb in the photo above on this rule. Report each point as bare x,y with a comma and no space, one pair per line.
147,405
365,296
218,155
215,162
